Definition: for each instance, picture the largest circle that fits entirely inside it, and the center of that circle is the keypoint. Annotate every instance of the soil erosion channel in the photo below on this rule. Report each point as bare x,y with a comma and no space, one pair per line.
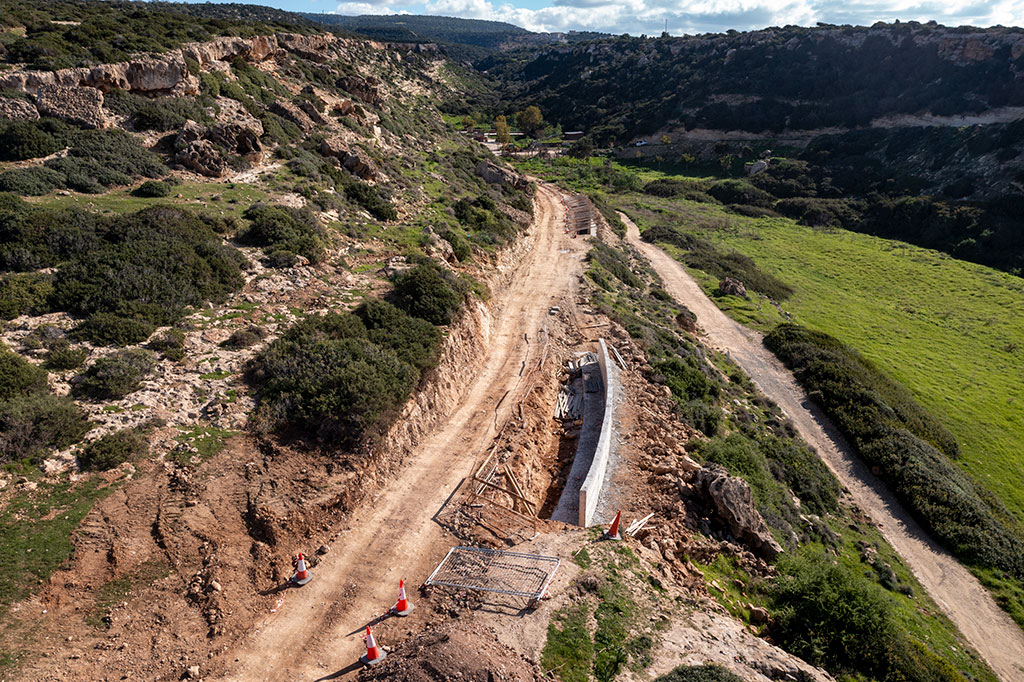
988,629
392,536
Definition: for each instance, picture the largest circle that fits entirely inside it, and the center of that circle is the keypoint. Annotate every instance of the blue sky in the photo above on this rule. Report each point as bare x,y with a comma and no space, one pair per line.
682,16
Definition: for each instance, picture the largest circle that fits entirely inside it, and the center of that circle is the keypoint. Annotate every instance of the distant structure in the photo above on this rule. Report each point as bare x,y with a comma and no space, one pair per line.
757,167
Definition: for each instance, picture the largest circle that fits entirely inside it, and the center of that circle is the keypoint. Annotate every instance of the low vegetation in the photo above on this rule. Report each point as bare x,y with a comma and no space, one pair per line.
111,450
343,376
892,433
283,233
34,421
115,376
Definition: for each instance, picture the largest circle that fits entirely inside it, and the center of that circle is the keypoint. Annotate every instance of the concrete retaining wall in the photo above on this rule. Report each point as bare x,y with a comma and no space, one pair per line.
590,491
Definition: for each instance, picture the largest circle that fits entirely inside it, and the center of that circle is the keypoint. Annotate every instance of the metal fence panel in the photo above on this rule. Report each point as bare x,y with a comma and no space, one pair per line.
495,570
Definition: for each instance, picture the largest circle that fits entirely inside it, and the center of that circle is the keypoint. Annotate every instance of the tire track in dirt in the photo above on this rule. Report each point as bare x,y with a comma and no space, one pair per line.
957,592
393,535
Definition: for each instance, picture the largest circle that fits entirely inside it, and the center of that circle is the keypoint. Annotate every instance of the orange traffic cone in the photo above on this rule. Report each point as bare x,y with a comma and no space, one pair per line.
403,607
374,654
613,532
302,574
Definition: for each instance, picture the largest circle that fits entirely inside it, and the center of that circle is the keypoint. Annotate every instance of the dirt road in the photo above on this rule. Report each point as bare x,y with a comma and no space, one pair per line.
392,536
986,627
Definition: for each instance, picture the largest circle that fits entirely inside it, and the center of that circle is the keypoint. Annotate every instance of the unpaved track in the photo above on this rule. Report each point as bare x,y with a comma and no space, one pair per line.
392,535
985,626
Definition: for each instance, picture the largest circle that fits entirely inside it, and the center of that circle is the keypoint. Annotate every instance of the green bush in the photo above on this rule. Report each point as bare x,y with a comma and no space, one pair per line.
703,255
425,293
148,266
111,450
482,217
115,376
243,338
370,199
170,344
740,192
108,329
699,673
834,617
341,378
611,260
19,377
460,246
35,181
66,357
24,294
33,420
20,140
910,447
280,228
153,189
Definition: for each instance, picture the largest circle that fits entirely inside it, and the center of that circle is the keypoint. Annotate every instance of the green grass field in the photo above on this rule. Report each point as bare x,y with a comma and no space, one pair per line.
951,331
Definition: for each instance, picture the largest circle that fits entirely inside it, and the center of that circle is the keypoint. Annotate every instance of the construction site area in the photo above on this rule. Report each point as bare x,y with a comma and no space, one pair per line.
448,549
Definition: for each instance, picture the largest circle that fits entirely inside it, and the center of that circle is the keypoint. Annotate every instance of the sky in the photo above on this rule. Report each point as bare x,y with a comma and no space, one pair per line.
651,17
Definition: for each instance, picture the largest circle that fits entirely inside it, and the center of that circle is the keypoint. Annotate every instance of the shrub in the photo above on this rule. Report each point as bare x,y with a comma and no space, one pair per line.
34,424
24,294
699,673
107,329
414,340
703,255
423,292
111,450
34,181
740,192
153,189
19,377
20,140
339,377
460,246
66,357
280,228
482,216
170,344
115,376
33,420
370,199
243,338
834,617
148,266
892,432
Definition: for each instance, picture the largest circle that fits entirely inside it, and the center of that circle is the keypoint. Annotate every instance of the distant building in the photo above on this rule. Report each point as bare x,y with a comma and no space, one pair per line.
572,136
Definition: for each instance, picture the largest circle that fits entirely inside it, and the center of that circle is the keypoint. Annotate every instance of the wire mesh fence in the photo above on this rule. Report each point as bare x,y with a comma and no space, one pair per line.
494,570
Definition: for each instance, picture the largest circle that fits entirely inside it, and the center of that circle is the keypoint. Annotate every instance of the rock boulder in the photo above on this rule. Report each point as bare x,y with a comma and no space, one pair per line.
81,106
354,160
494,174
290,112
730,286
17,109
734,505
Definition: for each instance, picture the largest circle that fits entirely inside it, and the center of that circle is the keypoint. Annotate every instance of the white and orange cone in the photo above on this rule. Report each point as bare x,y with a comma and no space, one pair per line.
613,532
374,654
302,574
404,607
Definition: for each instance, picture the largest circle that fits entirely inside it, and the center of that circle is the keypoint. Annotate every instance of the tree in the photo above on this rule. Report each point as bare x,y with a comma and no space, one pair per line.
582,148
666,140
530,121
687,159
501,130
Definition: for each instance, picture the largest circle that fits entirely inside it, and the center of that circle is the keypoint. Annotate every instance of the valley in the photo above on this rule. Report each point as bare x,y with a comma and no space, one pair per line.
276,283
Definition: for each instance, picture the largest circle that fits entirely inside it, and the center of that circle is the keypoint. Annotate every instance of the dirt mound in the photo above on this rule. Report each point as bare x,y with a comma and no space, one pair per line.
448,653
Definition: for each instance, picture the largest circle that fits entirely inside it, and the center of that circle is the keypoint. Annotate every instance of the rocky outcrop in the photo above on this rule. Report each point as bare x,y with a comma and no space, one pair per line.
354,160
734,505
314,115
290,112
316,48
344,108
17,110
364,89
236,138
494,174
255,49
81,106
197,153
730,286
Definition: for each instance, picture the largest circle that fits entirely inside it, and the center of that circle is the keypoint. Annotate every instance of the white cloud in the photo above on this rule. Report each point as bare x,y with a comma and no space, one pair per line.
700,16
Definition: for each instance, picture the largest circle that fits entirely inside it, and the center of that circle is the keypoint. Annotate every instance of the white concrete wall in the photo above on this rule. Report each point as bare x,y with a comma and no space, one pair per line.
590,491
